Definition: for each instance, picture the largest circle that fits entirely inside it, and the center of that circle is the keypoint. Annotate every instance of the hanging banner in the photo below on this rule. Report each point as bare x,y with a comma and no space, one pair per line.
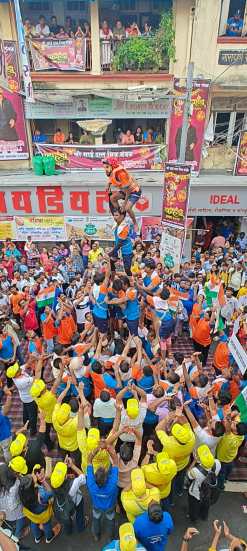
12,69
151,227
13,139
176,195
238,353
78,227
3,70
171,247
41,228
145,157
28,86
195,134
7,228
241,158
65,54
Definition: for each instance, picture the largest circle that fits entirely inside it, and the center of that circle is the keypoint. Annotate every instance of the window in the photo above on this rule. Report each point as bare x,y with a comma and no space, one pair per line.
75,5
227,127
42,6
229,25
128,5
221,127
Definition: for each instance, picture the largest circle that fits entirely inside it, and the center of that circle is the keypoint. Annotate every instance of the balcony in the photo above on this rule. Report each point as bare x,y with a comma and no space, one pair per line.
138,54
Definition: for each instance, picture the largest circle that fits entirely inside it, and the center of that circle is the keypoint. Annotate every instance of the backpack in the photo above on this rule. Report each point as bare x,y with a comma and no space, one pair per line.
209,491
63,506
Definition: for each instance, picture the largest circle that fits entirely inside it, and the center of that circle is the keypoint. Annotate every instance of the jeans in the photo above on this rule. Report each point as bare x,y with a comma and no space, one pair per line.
30,414
178,484
197,509
49,346
48,442
109,516
17,526
225,471
19,356
85,261
79,520
37,533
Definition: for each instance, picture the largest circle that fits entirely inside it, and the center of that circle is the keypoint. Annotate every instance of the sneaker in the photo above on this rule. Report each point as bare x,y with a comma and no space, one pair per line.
38,540
56,531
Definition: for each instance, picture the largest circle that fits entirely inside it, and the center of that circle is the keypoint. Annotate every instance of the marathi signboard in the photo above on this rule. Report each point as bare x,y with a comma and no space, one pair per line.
44,228
144,157
176,194
232,57
65,54
96,228
7,228
241,159
171,249
197,119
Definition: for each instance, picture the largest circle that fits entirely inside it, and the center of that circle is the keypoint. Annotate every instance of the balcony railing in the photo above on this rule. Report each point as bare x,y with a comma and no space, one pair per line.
69,54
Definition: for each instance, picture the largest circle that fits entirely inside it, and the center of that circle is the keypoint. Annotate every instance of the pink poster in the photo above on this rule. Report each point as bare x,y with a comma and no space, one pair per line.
196,124
13,139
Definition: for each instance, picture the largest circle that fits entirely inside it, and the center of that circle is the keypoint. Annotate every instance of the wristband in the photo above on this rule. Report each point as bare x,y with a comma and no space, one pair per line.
186,540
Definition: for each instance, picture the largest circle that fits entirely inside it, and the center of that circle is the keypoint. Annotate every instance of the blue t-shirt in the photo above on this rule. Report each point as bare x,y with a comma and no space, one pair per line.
153,536
236,26
7,350
104,497
5,427
115,545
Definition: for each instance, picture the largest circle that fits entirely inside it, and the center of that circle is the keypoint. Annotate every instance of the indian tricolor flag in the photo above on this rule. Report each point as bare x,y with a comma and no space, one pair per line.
214,292
46,297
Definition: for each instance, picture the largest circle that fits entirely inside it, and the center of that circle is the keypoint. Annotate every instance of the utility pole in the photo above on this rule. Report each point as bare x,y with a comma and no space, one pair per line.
186,115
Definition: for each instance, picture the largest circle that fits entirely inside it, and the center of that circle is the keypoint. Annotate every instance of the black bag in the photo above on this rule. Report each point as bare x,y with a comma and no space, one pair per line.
63,506
209,491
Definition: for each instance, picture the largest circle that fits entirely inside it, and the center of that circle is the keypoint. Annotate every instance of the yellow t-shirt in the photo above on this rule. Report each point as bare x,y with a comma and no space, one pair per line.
156,478
46,404
227,448
101,459
242,292
66,433
134,505
179,452
94,255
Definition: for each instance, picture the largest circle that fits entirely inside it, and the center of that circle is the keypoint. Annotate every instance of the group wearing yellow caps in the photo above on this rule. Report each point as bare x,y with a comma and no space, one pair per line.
45,399
88,443
136,500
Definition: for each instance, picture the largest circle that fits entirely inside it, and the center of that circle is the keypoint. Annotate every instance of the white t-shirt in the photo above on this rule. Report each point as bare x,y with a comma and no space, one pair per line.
75,492
23,385
198,478
106,410
203,437
136,423
82,309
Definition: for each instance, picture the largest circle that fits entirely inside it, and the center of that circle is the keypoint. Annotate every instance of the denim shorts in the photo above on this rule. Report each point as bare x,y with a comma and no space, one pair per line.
134,197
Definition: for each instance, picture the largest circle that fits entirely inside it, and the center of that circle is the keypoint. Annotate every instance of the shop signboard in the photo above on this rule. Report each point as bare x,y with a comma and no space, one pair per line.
41,228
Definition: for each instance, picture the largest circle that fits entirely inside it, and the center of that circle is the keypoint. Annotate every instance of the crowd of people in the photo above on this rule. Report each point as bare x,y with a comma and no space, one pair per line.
113,412
140,136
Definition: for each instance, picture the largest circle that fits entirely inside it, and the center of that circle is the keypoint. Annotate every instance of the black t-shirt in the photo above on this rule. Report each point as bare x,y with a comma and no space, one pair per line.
34,454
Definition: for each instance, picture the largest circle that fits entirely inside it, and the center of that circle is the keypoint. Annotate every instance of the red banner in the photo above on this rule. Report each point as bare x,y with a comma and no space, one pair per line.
145,157
196,124
241,160
176,195
151,227
65,54
12,69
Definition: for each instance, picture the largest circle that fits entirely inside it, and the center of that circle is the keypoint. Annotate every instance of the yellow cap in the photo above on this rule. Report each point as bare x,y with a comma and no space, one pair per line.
205,456
138,482
93,438
63,414
37,467
166,465
132,408
18,444
127,540
18,464
181,433
37,387
13,370
58,474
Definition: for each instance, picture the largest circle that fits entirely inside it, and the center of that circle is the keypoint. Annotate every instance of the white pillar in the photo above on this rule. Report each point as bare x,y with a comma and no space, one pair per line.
94,14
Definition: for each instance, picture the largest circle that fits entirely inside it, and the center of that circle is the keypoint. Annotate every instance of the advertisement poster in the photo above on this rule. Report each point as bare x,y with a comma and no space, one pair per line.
65,54
41,228
151,227
171,248
145,157
176,194
196,124
241,160
95,228
11,63
7,228
13,139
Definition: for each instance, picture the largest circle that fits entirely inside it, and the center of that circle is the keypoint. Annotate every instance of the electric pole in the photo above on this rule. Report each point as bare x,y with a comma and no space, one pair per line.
187,113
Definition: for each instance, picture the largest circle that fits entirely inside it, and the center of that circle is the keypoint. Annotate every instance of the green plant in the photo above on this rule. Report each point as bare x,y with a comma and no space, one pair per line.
151,52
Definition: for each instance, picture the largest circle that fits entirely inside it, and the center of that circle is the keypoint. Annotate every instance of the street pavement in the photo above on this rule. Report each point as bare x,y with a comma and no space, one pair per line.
228,508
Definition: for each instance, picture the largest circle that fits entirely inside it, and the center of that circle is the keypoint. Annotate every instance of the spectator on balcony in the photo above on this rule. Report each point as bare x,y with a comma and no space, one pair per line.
128,138
234,25
79,32
71,139
29,29
138,135
42,30
119,31
62,33
86,138
59,136
133,30
69,27
87,33
38,137
147,30
106,36
148,136
54,27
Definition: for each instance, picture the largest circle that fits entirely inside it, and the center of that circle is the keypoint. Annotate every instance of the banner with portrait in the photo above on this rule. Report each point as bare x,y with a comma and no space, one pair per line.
241,158
176,194
151,227
13,138
195,135
11,63
65,54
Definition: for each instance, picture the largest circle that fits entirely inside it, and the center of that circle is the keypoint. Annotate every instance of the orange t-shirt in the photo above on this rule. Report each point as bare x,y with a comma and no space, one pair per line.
221,356
48,328
202,333
99,385
195,314
59,138
15,300
66,330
